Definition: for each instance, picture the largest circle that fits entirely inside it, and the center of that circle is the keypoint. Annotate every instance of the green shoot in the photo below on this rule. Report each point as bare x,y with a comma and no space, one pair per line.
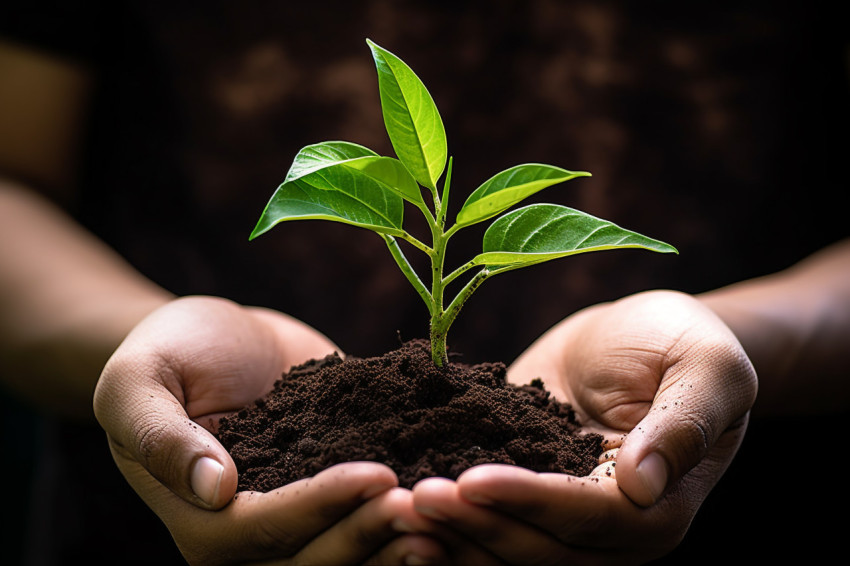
345,182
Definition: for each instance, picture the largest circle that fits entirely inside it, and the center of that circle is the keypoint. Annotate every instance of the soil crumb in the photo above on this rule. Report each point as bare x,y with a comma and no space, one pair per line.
402,410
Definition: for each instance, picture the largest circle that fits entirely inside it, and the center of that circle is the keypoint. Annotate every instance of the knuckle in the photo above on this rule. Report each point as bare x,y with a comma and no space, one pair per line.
365,538
697,435
149,432
741,378
368,535
273,538
152,445
732,365
596,519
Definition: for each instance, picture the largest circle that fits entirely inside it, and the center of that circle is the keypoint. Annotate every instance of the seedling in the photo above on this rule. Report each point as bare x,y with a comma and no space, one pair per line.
346,182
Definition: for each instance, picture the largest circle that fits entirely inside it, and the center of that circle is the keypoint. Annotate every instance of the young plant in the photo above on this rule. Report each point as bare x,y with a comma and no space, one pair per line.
346,182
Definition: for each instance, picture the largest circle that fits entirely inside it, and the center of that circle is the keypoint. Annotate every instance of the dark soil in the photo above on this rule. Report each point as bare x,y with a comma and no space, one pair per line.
402,410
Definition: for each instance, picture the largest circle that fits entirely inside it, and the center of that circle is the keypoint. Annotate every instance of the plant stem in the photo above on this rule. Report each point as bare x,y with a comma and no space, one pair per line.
441,322
439,326
409,272
416,243
438,336
460,299
438,339
457,272
441,215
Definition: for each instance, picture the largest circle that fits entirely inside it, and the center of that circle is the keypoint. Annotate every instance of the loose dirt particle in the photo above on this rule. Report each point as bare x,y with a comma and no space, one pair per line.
400,409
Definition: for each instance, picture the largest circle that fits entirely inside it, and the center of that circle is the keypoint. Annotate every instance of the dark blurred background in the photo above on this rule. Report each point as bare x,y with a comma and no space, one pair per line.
718,127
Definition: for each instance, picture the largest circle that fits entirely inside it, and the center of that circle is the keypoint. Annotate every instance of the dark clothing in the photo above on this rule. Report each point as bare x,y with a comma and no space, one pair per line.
719,130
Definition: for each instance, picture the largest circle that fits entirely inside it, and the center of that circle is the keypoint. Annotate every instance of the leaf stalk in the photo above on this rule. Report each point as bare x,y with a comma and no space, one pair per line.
409,272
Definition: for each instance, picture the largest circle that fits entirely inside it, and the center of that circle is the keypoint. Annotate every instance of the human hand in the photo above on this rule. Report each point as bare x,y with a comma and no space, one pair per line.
177,372
670,388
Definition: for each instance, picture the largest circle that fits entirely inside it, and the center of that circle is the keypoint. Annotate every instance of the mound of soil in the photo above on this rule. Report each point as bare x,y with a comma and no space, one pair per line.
402,410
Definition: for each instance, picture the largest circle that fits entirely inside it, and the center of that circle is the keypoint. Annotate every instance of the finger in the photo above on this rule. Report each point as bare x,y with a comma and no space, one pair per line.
458,548
591,515
192,358
410,550
708,385
609,455
513,540
281,523
145,423
584,512
370,527
464,552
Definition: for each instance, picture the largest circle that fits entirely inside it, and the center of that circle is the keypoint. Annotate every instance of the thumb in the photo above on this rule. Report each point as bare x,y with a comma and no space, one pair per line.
151,436
698,415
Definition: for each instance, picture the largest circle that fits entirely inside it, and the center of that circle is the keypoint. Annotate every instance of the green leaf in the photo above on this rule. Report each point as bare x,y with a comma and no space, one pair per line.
320,155
509,187
391,174
412,120
336,181
385,170
542,232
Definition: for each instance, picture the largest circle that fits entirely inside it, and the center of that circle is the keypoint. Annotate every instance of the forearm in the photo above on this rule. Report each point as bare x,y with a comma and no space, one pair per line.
795,326
66,302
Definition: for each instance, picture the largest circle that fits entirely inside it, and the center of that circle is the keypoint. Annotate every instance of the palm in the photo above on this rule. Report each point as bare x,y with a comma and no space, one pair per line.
608,364
663,379
194,360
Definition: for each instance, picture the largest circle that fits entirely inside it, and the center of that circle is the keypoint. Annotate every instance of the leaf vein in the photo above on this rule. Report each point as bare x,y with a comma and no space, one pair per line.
590,235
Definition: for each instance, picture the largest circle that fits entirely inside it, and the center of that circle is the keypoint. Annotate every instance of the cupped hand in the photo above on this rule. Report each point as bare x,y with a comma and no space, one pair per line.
669,387
164,388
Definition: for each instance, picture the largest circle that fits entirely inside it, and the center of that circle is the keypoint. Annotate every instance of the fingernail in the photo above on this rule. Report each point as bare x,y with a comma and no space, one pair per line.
431,513
474,497
206,479
652,472
402,526
374,490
